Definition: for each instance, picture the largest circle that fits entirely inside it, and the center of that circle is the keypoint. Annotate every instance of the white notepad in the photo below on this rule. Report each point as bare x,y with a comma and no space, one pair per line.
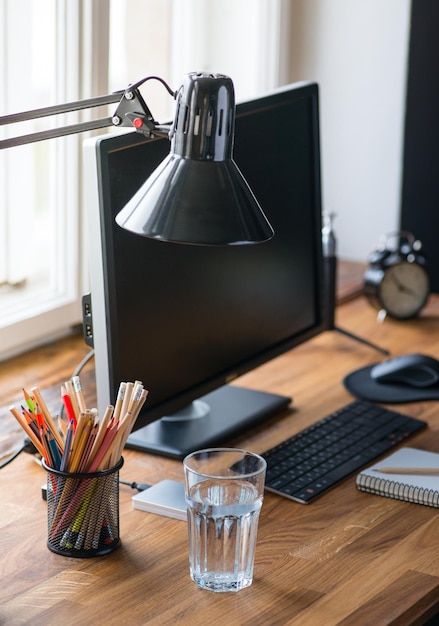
420,489
165,498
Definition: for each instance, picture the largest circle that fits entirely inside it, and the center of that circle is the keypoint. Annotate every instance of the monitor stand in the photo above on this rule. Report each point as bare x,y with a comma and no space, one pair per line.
330,282
210,421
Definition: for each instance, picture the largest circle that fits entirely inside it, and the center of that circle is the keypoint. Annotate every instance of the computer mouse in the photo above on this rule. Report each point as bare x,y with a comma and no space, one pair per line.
413,370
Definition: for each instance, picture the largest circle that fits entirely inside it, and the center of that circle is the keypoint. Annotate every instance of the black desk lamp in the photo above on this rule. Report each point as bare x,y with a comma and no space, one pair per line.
197,195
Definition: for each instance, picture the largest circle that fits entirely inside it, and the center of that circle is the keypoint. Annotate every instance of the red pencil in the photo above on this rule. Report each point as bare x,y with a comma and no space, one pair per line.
68,405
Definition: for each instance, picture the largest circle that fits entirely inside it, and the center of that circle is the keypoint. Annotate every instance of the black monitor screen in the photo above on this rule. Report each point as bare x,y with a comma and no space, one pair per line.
186,320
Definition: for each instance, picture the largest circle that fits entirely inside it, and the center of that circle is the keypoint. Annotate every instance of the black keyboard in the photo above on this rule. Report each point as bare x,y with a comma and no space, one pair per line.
320,456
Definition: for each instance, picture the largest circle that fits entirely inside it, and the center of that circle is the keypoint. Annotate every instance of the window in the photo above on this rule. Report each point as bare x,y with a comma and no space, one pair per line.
244,39
39,292
73,49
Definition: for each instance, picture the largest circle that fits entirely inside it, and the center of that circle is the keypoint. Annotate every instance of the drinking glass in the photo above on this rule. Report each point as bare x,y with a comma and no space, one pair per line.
224,493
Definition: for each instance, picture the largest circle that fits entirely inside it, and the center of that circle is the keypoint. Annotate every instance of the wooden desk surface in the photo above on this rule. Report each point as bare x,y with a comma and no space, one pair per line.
348,558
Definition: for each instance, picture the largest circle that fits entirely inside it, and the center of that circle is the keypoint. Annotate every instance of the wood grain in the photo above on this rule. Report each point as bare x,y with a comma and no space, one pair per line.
347,558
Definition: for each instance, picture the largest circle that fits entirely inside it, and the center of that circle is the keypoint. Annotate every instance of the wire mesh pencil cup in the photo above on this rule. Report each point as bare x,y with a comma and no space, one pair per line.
83,512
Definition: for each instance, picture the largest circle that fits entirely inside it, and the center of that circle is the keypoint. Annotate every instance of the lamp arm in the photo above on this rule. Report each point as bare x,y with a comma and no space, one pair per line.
131,111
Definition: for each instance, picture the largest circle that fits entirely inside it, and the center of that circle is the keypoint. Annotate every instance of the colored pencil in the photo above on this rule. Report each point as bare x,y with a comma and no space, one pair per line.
79,393
119,400
47,416
29,432
68,405
67,446
84,444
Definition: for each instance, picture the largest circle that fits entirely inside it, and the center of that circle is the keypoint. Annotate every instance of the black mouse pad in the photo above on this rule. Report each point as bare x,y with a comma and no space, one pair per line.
362,385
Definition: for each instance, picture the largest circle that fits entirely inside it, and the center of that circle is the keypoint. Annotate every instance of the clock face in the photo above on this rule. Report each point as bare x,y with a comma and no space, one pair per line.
404,289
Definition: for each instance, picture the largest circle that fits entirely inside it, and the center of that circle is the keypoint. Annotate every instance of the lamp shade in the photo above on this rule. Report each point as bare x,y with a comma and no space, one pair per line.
197,195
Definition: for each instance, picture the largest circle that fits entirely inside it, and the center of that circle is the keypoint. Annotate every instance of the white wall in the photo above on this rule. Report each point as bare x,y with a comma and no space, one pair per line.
357,51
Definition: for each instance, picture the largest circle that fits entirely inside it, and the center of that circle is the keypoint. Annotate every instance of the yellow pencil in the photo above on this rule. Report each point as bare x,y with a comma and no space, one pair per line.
119,400
127,424
102,429
76,382
127,399
79,442
83,461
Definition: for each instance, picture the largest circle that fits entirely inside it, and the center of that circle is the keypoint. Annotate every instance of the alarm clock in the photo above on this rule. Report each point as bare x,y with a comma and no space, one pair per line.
396,281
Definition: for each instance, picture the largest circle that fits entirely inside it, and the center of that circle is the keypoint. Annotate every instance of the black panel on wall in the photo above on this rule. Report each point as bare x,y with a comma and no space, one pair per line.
420,186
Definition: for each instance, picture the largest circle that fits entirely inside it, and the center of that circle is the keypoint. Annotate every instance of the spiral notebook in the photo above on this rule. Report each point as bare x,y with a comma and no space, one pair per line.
420,489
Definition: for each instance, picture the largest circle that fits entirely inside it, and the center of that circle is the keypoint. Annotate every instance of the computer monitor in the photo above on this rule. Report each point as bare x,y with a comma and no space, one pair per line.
188,320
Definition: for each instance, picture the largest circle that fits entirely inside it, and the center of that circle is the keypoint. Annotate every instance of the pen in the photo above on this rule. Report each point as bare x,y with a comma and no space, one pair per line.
422,471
